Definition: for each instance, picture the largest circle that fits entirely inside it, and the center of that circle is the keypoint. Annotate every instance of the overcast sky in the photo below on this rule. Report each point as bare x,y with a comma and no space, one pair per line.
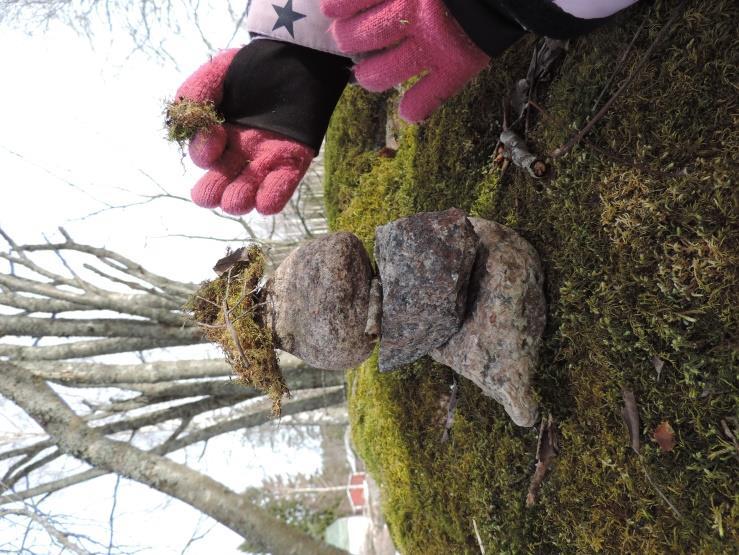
80,126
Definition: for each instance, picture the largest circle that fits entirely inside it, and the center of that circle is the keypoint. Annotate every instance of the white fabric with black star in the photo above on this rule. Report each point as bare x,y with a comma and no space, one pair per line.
295,21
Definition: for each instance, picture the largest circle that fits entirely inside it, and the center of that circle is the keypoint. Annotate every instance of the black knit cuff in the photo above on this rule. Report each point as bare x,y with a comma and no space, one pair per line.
494,25
545,18
488,28
284,88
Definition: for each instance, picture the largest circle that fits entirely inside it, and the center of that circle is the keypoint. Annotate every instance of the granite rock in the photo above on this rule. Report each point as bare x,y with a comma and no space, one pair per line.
424,262
497,346
318,300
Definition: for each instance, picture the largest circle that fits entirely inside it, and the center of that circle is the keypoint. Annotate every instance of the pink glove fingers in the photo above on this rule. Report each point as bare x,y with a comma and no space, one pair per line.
378,27
247,167
207,146
400,39
206,84
208,191
280,165
240,196
275,153
256,165
421,99
390,67
278,187
345,8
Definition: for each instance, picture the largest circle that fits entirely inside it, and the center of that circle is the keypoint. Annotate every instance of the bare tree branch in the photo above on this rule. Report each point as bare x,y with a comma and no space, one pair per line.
190,400
249,420
38,304
82,349
9,480
57,535
99,374
98,327
205,494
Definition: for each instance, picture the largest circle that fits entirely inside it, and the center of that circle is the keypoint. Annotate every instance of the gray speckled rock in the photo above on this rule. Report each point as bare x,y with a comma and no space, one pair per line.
424,263
318,300
497,346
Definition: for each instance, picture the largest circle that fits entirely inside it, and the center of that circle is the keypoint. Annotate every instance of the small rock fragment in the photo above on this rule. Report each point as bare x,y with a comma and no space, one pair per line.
374,314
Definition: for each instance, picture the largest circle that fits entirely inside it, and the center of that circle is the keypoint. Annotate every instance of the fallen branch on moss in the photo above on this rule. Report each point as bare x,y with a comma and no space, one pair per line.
453,399
543,60
477,535
630,413
564,149
732,436
511,148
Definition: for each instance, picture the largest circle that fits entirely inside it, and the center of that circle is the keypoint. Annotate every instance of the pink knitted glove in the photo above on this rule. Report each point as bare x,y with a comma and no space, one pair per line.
400,39
248,167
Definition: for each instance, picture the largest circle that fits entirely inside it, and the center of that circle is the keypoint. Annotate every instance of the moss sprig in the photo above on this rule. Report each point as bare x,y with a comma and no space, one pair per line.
184,117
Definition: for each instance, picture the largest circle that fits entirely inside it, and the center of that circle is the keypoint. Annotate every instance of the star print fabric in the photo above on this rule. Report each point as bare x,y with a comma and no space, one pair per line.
296,21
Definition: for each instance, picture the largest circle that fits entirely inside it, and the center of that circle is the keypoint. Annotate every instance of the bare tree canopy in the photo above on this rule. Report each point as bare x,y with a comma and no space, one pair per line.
149,25
61,302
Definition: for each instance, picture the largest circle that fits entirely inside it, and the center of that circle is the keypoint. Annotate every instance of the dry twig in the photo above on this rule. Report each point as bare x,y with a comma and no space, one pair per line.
479,539
453,398
630,414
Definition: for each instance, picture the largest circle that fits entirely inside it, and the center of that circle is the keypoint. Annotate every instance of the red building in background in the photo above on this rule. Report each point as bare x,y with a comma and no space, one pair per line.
357,491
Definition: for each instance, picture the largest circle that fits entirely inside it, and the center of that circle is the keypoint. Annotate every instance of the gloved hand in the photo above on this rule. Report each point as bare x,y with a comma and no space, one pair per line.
400,39
248,168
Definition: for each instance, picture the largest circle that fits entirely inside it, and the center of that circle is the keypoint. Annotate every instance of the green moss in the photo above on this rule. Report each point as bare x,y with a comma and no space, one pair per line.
638,231
229,310
349,152
183,118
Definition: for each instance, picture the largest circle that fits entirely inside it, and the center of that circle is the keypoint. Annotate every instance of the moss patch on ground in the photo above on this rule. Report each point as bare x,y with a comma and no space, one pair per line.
638,231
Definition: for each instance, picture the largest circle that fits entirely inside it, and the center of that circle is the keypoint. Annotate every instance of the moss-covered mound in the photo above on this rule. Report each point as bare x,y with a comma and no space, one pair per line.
638,231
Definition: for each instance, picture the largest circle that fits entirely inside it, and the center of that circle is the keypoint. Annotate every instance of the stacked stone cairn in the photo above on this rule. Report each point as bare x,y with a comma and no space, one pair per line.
466,291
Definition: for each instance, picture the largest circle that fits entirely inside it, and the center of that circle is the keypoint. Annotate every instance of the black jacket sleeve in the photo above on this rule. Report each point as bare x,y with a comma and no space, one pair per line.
493,25
284,88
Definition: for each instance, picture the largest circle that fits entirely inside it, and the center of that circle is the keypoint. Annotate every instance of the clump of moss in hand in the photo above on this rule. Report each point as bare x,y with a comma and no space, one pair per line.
185,117
230,311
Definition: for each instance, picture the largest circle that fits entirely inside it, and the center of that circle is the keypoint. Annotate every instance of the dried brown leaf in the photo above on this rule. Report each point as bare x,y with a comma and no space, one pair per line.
230,260
546,452
664,435
630,413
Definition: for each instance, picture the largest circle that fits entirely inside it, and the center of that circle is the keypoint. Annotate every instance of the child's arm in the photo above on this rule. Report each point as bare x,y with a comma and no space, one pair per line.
275,97
447,42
